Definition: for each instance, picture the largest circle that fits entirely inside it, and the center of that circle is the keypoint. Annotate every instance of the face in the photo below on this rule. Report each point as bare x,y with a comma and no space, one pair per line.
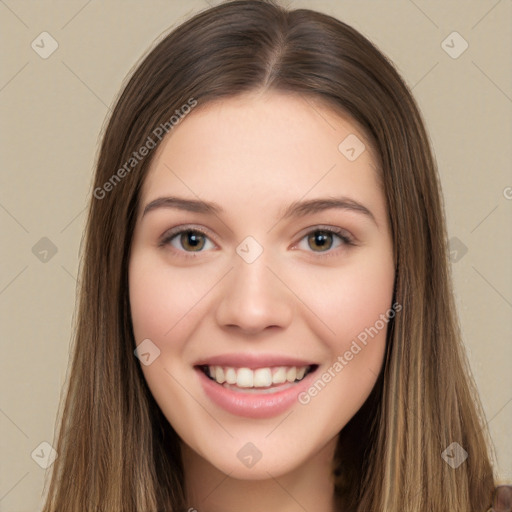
261,277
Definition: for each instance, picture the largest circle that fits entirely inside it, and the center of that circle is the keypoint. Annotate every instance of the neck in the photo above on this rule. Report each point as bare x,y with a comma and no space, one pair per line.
308,487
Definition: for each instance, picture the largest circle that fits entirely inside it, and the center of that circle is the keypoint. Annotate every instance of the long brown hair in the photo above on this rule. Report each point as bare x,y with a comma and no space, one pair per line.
116,450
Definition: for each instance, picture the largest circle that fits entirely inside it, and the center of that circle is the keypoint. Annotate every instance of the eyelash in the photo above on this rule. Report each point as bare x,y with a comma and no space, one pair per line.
340,233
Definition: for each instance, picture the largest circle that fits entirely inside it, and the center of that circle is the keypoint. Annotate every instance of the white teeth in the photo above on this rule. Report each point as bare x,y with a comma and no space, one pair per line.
279,376
300,373
262,378
257,378
291,374
231,376
244,378
219,375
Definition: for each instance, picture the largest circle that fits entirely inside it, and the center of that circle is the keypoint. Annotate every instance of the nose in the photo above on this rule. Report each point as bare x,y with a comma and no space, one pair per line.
253,298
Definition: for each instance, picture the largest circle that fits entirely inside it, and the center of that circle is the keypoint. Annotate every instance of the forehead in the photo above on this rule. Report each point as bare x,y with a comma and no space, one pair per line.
268,144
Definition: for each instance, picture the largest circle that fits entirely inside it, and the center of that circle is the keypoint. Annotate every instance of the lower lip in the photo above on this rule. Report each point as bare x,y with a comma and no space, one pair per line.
253,405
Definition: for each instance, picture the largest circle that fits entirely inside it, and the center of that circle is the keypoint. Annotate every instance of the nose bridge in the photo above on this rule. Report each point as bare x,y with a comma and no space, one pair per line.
253,298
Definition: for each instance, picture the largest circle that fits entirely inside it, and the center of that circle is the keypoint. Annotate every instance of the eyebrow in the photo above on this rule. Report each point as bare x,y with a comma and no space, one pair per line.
189,205
295,209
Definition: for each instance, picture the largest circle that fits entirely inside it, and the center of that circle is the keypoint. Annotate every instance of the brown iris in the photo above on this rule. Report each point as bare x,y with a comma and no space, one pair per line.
192,240
323,239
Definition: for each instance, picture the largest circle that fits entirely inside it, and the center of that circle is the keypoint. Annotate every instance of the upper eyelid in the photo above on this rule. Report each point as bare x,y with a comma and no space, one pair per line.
171,233
335,230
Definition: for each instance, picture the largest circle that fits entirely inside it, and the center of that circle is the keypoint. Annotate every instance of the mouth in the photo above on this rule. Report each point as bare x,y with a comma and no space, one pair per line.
257,380
246,389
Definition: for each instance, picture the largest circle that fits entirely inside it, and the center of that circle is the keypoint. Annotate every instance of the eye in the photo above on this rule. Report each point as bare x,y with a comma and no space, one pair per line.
187,240
190,240
324,239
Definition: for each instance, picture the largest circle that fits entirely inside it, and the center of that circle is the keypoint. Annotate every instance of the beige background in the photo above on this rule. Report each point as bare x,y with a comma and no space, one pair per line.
52,111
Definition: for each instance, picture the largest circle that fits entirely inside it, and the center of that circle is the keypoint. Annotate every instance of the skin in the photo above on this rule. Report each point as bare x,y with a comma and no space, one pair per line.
253,155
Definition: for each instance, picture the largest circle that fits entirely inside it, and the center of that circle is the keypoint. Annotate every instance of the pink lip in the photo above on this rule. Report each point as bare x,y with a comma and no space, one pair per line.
251,361
253,405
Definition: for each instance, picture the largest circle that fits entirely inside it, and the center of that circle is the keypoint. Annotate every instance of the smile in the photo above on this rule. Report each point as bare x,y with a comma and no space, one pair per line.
257,391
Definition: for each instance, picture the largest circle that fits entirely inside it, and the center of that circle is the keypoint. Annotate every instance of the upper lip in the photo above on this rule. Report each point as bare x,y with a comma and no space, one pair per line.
252,361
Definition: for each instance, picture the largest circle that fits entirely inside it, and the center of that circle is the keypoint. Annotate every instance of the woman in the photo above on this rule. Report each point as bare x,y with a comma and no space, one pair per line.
267,374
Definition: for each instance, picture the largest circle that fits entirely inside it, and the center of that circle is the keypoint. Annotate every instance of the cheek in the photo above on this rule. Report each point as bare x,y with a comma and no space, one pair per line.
357,308
361,299
350,299
164,309
162,300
